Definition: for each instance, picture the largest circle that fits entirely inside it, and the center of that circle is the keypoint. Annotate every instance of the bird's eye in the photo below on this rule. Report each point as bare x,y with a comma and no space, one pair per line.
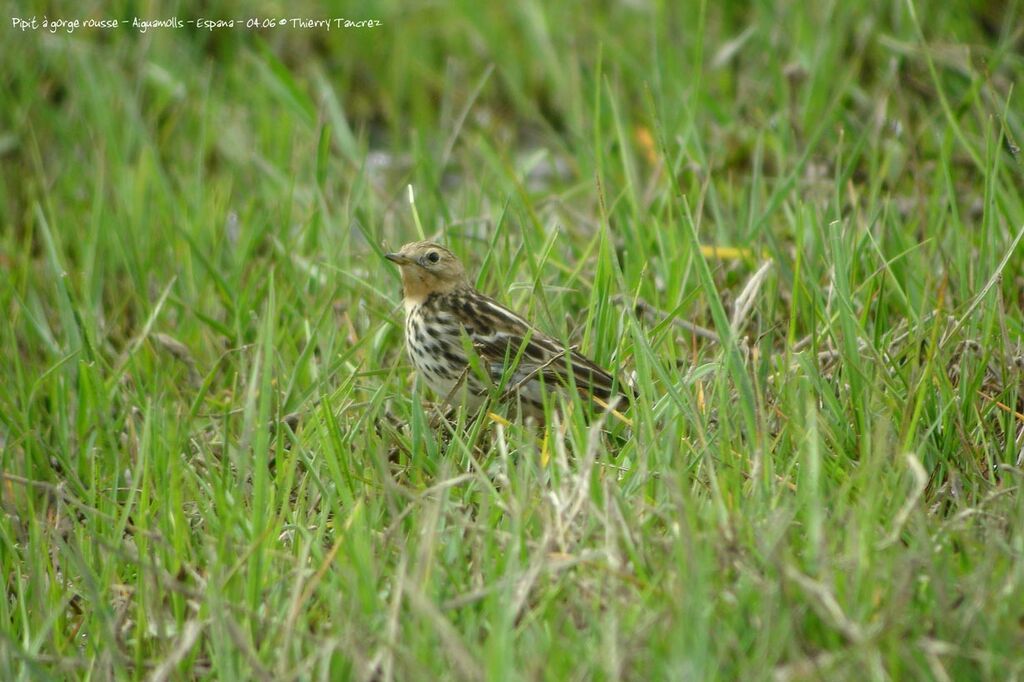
433,256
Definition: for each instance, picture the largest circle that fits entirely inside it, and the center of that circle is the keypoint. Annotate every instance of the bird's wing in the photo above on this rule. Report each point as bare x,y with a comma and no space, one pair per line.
498,334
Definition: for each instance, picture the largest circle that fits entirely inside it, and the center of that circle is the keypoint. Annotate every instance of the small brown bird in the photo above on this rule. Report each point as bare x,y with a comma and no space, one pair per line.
443,311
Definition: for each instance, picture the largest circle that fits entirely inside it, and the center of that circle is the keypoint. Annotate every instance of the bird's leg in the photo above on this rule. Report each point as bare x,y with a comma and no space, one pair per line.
447,412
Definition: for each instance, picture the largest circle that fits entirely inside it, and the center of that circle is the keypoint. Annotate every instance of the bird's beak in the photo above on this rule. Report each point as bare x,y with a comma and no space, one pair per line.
397,258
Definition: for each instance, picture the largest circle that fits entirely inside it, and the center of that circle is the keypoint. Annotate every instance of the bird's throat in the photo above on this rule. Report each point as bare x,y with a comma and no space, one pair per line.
414,286
418,285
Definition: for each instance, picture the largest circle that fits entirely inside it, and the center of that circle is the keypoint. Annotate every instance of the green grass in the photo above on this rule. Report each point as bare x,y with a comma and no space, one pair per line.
192,225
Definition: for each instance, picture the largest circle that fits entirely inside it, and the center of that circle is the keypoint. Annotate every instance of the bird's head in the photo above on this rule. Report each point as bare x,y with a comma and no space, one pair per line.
428,268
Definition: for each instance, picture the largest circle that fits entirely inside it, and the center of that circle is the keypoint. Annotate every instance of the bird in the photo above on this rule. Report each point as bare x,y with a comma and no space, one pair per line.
445,317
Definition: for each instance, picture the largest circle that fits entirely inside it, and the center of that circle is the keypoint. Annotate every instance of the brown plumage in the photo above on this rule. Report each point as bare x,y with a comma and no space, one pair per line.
444,312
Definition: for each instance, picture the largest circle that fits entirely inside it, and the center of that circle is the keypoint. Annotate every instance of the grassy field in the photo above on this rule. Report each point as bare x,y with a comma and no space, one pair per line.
796,225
